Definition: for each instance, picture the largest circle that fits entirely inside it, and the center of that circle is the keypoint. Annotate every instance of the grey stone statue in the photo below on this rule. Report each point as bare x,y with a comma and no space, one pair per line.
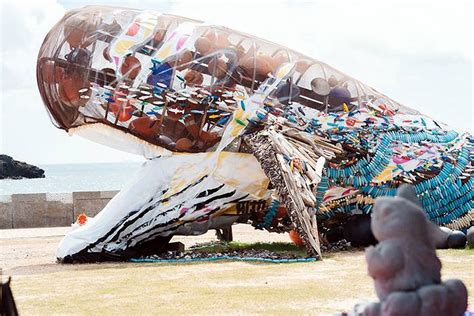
404,265
470,237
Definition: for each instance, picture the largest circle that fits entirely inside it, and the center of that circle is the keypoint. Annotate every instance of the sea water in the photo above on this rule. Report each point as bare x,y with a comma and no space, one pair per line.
63,178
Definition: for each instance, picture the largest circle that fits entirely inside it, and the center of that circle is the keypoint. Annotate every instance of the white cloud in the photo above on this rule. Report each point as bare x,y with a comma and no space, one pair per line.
24,26
26,131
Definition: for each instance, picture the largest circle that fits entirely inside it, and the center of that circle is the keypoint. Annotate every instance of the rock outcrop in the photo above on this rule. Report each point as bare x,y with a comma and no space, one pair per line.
13,169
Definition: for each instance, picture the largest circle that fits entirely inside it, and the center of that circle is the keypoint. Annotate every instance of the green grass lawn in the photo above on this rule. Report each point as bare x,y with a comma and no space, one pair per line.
324,287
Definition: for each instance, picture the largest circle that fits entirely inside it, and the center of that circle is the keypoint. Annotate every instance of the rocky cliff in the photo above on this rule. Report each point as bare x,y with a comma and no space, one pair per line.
13,169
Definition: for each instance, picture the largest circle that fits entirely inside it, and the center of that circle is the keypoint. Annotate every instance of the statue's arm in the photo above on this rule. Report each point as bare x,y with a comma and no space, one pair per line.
384,260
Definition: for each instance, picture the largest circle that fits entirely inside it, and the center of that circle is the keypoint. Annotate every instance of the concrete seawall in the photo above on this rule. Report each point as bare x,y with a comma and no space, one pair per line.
50,209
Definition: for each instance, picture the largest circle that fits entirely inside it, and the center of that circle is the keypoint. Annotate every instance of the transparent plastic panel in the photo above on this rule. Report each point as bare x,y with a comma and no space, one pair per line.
175,82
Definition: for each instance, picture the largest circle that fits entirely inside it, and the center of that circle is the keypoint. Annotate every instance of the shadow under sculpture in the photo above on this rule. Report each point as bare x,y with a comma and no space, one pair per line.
404,265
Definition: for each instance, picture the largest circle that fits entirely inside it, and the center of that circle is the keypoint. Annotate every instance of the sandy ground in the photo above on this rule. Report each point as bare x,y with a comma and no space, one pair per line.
321,288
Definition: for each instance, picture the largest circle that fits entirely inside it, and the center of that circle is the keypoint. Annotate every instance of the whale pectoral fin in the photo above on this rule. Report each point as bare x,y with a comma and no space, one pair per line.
295,177
168,196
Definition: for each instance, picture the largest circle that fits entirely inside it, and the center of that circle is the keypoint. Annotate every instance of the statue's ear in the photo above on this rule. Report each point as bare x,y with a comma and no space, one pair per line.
408,192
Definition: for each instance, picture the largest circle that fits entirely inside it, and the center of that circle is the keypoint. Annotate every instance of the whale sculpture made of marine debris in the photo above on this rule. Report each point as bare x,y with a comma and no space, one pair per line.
235,129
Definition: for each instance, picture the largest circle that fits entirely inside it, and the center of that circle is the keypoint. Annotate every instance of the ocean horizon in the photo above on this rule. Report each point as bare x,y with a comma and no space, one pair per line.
65,178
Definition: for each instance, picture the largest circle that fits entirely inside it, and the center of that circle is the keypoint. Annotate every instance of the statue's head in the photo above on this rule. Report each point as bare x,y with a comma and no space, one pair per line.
399,217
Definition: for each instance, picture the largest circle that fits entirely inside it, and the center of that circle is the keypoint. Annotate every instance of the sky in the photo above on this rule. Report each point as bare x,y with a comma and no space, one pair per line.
419,53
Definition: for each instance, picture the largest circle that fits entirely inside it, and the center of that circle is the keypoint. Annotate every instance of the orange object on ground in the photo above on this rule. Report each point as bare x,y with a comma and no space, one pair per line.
295,238
81,219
